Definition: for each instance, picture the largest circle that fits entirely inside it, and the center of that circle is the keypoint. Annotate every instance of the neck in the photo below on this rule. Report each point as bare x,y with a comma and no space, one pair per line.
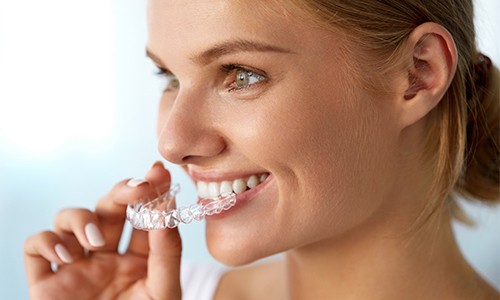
373,263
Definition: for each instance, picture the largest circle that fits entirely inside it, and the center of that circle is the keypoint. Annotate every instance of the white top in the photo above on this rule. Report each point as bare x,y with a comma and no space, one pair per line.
199,281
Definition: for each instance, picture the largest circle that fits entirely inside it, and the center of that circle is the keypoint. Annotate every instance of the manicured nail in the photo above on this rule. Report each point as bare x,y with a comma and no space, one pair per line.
158,164
63,253
94,236
136,182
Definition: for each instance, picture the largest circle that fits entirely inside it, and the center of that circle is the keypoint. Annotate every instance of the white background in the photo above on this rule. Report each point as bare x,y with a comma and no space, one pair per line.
77,114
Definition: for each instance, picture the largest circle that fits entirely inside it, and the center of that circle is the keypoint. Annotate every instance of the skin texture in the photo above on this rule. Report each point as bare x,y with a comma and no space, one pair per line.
346,180
306,102
149,269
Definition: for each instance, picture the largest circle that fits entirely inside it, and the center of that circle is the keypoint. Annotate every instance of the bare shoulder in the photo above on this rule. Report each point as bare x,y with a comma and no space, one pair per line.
257,281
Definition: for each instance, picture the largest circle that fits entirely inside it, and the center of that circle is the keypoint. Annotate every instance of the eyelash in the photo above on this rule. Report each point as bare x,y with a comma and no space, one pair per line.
228,69
164,73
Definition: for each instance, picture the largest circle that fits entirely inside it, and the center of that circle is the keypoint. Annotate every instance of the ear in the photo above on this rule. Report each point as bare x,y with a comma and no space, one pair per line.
431,62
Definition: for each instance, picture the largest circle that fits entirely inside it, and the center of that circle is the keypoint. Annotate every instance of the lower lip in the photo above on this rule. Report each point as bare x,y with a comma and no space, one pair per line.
241,199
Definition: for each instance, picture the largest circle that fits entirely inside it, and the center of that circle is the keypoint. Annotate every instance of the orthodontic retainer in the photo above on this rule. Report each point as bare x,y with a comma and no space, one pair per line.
159,213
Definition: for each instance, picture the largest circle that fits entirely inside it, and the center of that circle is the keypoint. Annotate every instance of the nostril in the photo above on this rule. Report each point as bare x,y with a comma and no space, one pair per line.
188,134
174,153
182,150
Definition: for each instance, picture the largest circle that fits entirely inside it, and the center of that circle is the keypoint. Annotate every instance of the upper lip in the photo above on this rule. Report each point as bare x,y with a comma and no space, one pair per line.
219,176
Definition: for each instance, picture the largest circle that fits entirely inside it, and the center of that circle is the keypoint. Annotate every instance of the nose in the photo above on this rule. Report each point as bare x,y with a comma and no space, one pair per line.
188,133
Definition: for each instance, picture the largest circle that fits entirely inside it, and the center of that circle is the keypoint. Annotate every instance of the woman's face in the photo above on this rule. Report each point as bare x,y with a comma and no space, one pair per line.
261,92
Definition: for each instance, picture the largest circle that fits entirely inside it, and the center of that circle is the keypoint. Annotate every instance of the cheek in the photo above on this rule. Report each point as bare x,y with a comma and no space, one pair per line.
324,148
296,128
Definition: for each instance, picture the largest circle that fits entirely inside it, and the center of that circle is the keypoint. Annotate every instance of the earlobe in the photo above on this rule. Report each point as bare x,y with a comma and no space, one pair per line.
432,59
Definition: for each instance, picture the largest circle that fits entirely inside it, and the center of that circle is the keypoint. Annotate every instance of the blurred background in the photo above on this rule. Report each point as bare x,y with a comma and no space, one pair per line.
78,102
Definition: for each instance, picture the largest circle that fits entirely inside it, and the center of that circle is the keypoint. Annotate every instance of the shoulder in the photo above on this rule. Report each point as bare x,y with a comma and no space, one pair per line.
257,281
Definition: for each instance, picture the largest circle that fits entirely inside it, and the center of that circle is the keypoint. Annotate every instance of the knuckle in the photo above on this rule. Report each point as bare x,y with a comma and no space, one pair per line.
70,220
28,243
47,236
72,211
39,238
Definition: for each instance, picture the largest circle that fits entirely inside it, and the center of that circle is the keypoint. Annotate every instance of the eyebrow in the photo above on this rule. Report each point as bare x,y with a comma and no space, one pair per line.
154,58
230,47
226,48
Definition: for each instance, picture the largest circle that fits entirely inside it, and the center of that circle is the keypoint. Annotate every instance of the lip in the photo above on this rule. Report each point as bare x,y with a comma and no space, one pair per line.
242,199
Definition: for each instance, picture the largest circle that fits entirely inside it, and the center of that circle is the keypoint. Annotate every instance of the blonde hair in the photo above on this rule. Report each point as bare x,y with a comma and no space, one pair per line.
463,138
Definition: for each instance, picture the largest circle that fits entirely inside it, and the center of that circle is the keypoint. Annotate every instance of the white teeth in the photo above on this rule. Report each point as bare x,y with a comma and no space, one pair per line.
253,181
263,177
239,186
226,187
213,189
202,189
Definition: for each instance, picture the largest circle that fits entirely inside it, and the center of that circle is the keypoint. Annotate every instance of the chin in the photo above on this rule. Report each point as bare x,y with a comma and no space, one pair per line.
232,254
237,253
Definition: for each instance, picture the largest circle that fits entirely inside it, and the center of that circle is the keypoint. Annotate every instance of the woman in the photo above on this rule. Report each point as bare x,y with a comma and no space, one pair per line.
355,122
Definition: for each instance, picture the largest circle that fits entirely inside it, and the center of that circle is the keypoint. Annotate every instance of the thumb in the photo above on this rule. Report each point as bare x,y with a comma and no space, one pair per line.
164,263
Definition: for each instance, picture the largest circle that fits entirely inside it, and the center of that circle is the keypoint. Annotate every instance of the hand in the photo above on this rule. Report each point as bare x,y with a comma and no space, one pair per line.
84,246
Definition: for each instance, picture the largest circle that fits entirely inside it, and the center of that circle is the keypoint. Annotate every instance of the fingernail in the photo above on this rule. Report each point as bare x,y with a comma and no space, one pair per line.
158,164
63,253
136,182
94,236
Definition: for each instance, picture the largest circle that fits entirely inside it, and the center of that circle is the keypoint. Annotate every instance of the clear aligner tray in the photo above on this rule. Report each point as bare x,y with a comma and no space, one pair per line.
160,213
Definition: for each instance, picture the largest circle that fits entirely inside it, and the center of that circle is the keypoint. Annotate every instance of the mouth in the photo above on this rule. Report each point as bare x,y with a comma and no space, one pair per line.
238,186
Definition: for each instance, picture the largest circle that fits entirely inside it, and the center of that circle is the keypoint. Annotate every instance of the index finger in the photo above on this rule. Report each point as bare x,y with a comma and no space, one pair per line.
111,209
159,177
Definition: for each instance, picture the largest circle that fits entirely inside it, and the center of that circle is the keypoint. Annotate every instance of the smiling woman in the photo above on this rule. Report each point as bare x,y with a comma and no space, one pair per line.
344,130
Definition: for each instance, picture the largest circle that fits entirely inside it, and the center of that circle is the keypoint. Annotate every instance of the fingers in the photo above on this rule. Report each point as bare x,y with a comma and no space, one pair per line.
164,264
110,210
165,250
82,224
159,178
79,229
73,245
39,251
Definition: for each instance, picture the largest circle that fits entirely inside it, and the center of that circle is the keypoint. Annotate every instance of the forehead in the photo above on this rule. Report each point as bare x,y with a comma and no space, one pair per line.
178,29
224,16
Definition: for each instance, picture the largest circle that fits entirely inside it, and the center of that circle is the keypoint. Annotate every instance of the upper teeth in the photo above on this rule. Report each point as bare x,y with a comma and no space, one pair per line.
214,189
